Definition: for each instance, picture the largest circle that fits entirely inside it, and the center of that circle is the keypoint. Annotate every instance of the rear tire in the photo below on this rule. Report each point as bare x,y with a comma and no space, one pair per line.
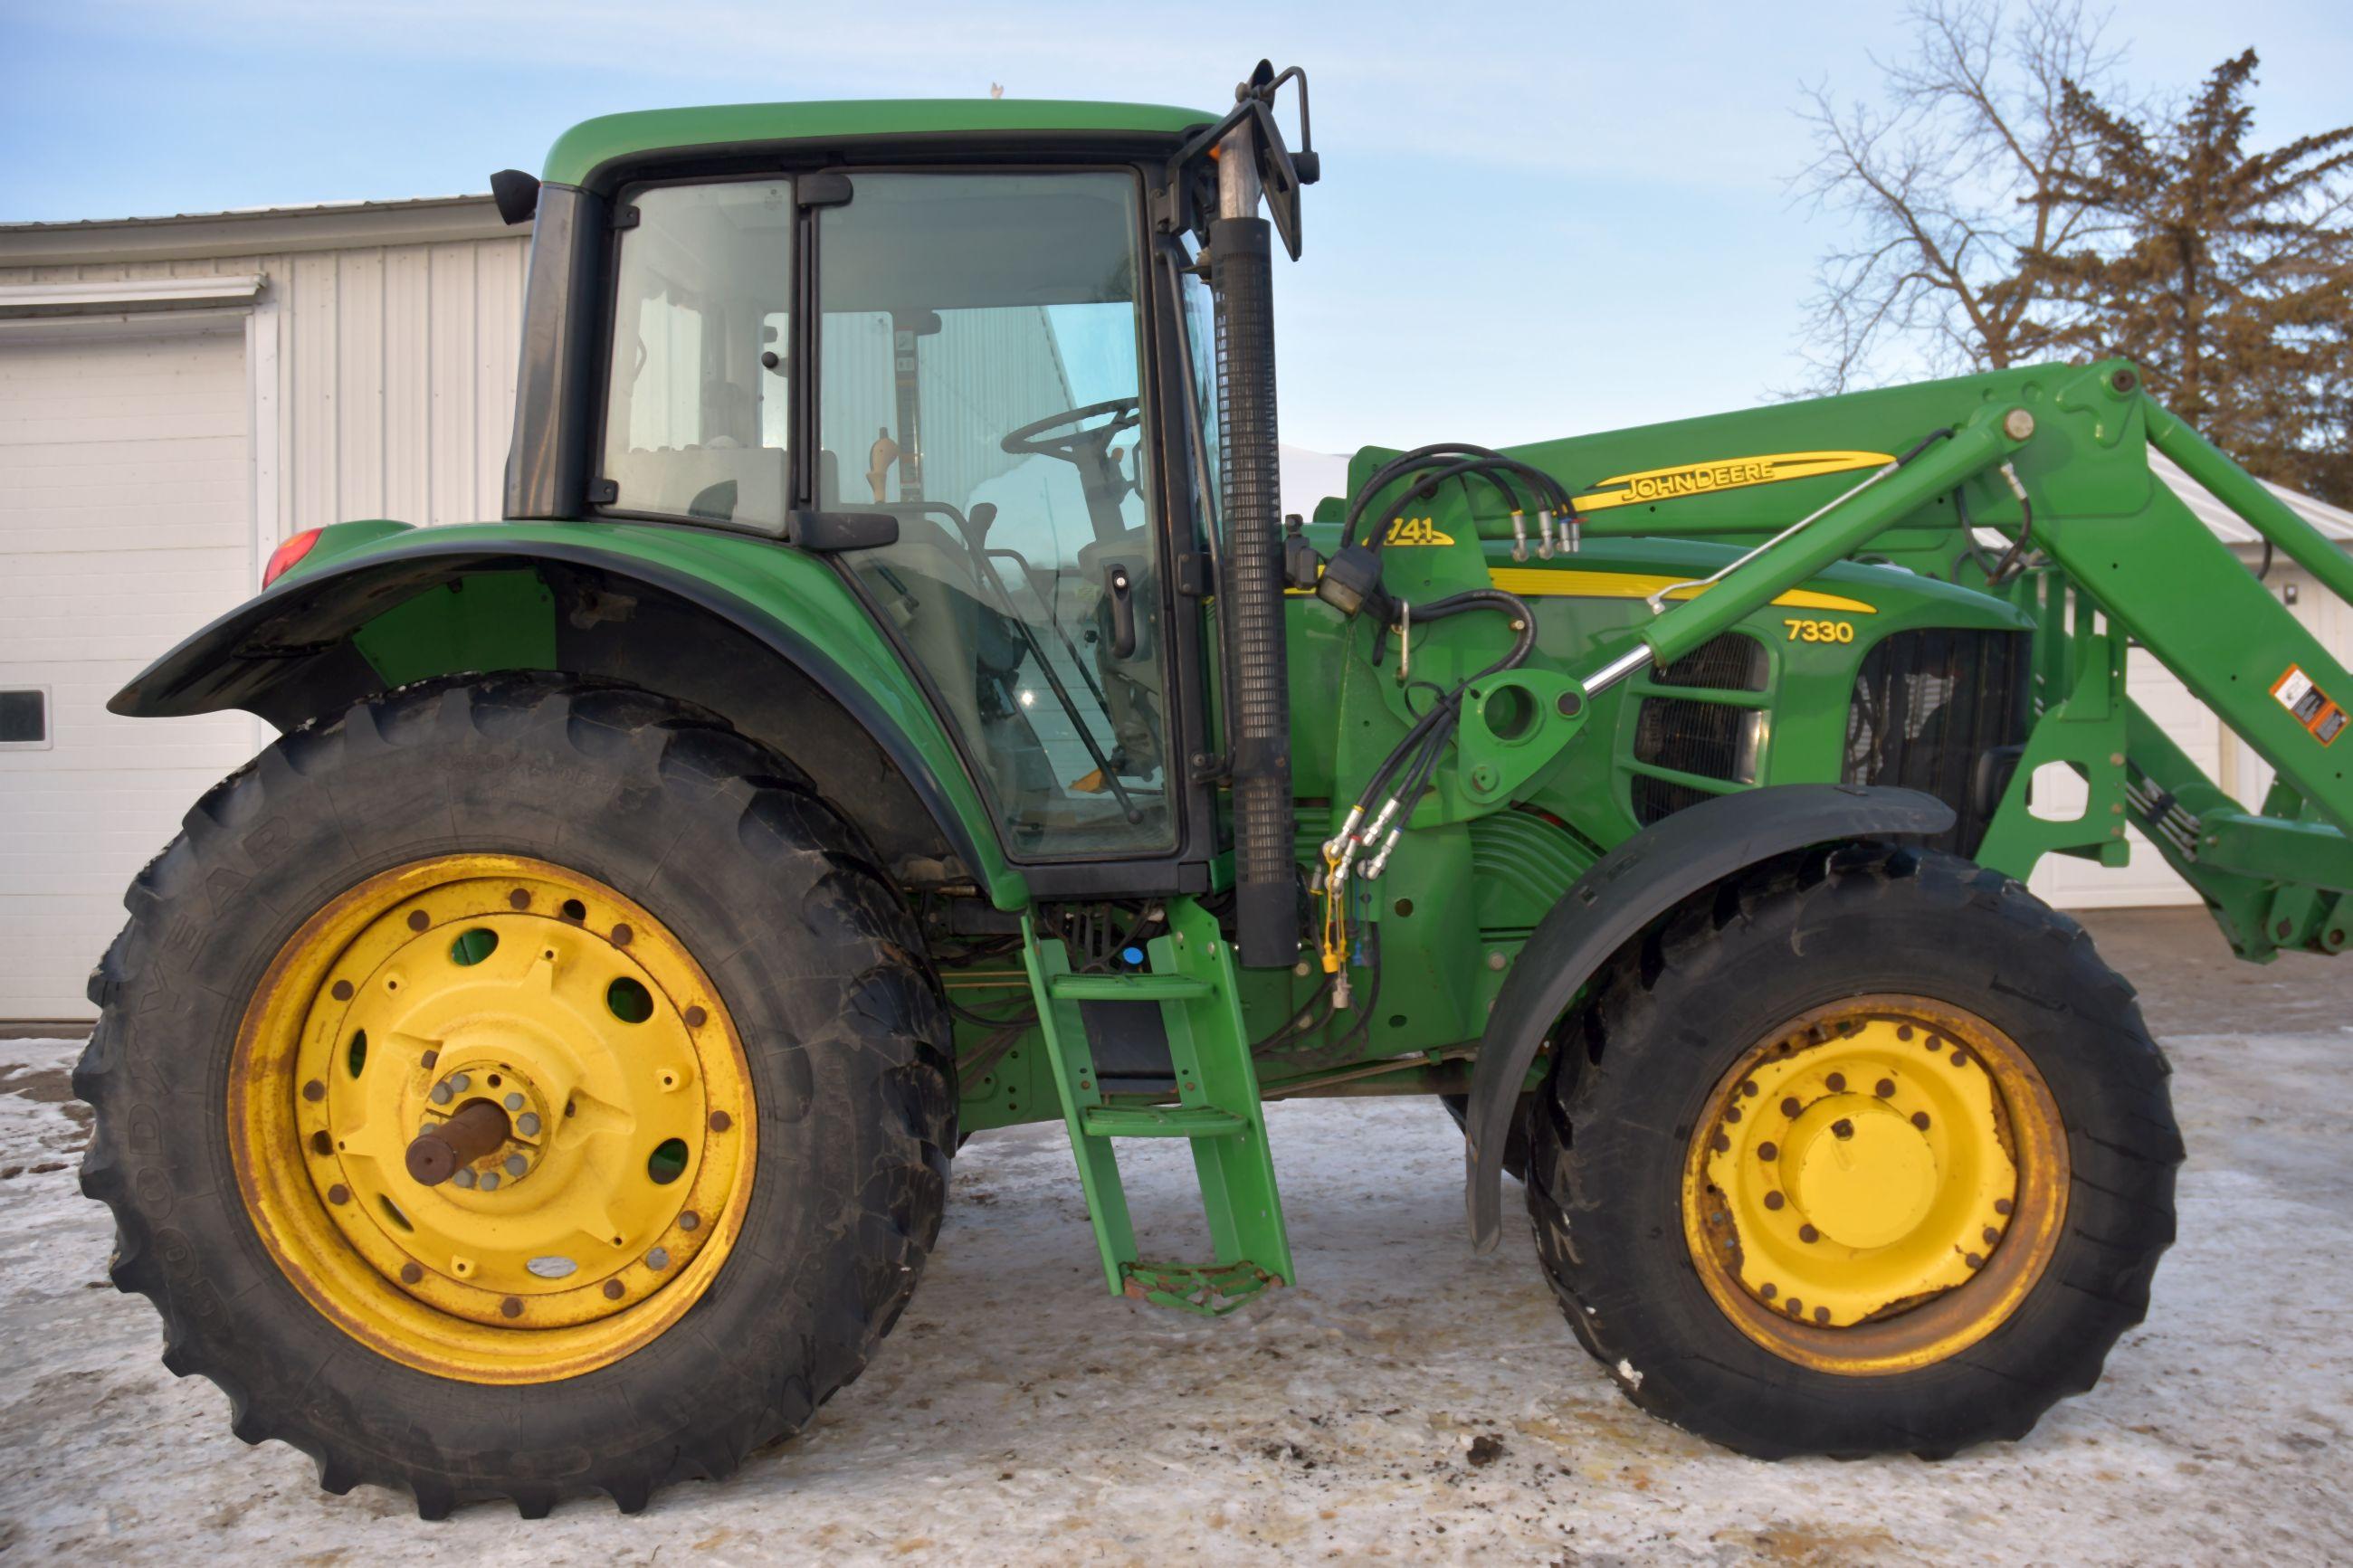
1645,1095
813,961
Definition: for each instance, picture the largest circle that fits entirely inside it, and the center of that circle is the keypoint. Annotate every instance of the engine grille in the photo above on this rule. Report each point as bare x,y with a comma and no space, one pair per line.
1927,705
1733,662
1693,735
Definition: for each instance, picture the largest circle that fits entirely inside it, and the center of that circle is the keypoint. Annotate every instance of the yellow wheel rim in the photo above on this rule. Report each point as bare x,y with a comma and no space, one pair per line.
624,1167
1875,1185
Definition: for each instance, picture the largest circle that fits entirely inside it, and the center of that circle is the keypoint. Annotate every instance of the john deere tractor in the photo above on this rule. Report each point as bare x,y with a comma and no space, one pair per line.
893,706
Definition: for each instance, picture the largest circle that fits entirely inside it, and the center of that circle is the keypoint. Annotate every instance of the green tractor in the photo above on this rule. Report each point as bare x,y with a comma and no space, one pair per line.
893,706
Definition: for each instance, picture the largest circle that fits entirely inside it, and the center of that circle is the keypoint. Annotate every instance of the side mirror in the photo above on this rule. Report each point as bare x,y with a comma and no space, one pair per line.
516,193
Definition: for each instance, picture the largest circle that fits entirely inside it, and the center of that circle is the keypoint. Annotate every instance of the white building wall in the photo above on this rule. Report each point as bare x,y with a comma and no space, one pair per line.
393,370
148,464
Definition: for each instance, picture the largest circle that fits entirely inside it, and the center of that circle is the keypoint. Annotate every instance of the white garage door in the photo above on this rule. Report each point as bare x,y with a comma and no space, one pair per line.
124,525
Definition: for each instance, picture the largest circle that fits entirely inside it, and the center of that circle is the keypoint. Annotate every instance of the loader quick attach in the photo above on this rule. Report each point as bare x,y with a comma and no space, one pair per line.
893,708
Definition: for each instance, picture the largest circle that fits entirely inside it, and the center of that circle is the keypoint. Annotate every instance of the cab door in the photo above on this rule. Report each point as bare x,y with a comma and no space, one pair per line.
983,376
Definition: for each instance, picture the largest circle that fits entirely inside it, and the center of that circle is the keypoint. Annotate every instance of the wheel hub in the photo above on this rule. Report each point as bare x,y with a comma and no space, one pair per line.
493,1093
1858,1172
518,1105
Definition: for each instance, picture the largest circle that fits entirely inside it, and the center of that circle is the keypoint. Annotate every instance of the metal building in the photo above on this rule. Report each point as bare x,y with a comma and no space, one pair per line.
176,396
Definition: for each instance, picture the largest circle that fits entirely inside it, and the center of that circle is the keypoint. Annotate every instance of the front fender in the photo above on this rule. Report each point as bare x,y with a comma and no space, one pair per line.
1626,889
320,637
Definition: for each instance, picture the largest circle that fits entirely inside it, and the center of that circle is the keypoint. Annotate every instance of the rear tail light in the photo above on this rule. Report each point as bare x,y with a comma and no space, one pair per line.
286,554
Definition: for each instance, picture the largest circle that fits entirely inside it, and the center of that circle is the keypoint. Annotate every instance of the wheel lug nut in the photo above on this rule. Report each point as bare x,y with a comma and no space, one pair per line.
463,1177
516,1166
442,1094
513,1102
659,1258
460,1082
528,1124
490,1180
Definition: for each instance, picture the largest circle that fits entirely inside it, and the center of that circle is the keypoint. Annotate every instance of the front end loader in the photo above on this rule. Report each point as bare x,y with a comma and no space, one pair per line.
893,706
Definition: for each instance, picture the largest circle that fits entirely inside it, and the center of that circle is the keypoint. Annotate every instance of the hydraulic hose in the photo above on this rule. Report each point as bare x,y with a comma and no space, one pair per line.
1266,901
1453,458
1523,621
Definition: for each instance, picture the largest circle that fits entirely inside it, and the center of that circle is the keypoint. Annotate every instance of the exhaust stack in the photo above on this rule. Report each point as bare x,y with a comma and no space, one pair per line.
1241,283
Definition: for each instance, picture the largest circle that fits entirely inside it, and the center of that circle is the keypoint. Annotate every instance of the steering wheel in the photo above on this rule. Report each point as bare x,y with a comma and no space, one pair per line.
1073,445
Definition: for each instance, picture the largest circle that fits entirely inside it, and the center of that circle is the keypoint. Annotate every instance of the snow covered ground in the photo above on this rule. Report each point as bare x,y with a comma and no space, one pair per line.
1407,1401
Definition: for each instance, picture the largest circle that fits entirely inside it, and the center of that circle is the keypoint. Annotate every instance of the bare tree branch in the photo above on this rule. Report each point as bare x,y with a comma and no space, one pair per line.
1955,179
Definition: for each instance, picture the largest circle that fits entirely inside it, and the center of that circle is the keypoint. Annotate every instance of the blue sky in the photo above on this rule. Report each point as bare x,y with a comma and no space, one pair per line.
1534,219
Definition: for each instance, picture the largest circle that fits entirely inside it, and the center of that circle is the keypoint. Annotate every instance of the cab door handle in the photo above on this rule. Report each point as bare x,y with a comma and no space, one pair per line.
1118,594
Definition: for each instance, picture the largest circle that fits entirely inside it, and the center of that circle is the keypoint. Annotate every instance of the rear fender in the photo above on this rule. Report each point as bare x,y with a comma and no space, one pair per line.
1626,889
767,637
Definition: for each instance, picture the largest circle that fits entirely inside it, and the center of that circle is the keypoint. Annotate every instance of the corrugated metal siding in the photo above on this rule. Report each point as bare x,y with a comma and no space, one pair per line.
396,373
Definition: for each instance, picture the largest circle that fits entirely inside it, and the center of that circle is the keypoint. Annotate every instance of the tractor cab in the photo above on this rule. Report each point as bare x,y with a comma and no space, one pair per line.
964,350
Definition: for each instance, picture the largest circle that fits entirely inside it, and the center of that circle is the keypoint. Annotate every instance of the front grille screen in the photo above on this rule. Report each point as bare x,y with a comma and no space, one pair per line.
1927,705
1733,662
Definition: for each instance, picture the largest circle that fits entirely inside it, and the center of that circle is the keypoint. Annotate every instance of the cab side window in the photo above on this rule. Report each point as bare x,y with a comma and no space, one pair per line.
695,416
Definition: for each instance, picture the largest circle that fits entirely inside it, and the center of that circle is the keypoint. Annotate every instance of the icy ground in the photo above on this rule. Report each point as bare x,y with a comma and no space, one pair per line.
1407,1401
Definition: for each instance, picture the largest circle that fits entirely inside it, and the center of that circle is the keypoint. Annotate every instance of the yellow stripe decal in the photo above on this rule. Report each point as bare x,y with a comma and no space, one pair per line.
1540,583
1564,583
1724,474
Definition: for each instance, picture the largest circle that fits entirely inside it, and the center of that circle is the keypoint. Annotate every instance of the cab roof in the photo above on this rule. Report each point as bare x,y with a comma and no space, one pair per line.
592,144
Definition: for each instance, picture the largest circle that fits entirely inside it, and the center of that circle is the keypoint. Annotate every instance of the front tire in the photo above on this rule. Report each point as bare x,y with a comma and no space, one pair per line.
1864,1151
618,922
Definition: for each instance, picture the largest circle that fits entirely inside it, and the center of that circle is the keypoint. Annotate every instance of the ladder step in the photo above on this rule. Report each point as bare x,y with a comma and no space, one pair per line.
1161,1121
1125,987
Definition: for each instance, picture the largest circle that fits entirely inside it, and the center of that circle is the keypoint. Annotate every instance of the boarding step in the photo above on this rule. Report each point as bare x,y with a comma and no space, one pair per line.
1161,1121
1188,975
1127,988
1210,1293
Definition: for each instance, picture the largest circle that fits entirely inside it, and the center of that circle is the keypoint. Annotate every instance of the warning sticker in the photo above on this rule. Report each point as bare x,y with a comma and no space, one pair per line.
2311,706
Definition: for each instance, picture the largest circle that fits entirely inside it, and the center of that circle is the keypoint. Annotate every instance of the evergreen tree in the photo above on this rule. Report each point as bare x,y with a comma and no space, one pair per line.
2230,279
2016,203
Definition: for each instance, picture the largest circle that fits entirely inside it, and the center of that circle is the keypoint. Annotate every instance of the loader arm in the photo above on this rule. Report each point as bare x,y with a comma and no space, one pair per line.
2110,556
